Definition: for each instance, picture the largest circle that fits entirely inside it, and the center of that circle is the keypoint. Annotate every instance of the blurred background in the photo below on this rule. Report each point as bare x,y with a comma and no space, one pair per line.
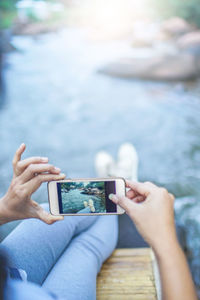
80,76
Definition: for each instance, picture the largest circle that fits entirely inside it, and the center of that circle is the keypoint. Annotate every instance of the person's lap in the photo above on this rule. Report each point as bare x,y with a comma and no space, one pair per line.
74,275
37,247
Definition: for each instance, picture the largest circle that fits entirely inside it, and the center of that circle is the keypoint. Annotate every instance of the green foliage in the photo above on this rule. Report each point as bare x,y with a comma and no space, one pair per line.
7,13
99,185
7,5
79,185
6,19
187,9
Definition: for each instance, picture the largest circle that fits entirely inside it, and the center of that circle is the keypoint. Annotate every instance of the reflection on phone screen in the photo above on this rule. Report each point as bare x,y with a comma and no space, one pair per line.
86,197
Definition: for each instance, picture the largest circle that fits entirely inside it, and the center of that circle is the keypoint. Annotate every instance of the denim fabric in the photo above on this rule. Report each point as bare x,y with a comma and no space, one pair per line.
19,290
64,257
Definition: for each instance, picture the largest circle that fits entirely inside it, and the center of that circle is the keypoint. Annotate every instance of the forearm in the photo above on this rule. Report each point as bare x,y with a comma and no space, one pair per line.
6,213
152,210
176,280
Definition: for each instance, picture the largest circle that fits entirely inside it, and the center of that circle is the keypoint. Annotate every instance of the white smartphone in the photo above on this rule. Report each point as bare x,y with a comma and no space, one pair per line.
85,196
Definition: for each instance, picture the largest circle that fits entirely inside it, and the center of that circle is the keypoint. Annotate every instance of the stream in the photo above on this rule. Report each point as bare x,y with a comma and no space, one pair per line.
61,107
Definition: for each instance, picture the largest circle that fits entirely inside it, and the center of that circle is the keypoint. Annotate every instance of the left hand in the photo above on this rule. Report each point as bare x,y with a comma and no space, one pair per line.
28,175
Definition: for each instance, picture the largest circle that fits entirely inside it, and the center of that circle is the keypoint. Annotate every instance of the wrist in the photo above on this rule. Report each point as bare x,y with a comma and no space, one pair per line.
4,216
166,246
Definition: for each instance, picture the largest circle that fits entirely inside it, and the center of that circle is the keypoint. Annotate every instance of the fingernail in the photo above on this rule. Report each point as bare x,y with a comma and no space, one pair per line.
113,197
57,169
110,196
44,159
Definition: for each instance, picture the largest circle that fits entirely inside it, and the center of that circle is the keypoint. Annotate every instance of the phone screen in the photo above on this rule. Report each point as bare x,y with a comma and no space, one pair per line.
79,197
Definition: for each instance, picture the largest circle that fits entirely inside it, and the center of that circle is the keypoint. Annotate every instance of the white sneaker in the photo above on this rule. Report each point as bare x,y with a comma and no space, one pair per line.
103,164
91,205
128,161
85,204
126,165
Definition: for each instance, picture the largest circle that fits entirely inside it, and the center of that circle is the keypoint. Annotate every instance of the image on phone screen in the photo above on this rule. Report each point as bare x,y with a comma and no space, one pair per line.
86,197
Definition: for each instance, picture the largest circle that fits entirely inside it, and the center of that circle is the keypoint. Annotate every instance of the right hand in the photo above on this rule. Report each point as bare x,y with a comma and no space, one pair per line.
152,210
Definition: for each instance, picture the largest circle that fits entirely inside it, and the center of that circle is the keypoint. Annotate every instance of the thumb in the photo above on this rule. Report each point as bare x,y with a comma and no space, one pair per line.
124,202
46,217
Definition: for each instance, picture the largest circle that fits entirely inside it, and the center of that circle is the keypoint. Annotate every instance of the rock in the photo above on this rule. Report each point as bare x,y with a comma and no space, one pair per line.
5,45
160,67
176,26
1,81
190,41
141,43
35,29
147,34
187,211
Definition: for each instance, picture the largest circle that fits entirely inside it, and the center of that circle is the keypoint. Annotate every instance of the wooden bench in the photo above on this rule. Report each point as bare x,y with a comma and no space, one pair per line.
128,274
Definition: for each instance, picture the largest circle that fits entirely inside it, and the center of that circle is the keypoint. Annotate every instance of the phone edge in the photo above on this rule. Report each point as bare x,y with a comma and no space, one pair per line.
89,179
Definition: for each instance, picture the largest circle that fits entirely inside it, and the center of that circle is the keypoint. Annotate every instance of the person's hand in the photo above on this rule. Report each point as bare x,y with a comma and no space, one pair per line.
152,210
28,175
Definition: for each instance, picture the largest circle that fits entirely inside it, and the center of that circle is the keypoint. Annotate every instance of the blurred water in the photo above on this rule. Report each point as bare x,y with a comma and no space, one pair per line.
73,201
61,107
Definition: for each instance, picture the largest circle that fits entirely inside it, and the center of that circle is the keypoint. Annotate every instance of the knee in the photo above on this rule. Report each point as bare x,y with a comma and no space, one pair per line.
100,240
109,229
92,249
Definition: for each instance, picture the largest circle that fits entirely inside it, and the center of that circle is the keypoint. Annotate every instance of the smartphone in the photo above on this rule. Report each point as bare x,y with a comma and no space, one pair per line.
85,196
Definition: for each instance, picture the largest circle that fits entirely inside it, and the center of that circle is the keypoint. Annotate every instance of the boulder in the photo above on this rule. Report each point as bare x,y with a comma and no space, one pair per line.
35,29
141,42
147,34
187,212
190,41
176,26
5,45
161,67
1,80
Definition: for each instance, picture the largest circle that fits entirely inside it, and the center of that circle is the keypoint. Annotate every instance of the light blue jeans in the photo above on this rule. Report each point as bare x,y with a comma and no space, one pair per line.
65,257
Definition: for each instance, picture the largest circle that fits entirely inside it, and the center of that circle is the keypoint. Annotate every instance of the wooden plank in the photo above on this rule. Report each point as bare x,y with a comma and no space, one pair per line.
127,274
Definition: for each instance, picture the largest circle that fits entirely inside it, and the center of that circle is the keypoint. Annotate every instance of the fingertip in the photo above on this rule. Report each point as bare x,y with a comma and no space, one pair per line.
57,170
22,146
21,149
130,183
139,187
59,217
49,219
110,196
44,159
113,198
54,219
63,175
172,196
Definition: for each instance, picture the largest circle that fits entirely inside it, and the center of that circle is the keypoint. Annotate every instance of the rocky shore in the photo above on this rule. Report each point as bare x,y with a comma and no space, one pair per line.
5,47
173,49
187,211
91,191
